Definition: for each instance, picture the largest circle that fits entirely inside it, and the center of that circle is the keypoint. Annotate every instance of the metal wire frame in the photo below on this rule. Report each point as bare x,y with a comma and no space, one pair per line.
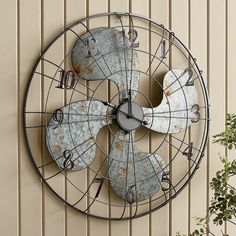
91,98
205,133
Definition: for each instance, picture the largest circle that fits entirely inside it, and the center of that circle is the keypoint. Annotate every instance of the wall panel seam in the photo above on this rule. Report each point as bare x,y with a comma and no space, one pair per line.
19,120
208,85
189,133
42,97
226,73
65,102
170,139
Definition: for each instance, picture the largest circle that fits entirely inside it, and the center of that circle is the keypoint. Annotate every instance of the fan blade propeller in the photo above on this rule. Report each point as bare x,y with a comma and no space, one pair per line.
106,53
71,133
179,108
134,175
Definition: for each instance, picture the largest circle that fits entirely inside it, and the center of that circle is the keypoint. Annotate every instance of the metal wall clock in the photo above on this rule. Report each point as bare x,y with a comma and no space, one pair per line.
111,115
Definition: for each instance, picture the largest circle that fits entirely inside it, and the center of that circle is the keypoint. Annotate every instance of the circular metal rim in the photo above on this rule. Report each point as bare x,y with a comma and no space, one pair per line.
206,100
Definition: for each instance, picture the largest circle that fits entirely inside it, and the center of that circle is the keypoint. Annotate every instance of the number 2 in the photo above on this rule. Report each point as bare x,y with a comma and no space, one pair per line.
189,82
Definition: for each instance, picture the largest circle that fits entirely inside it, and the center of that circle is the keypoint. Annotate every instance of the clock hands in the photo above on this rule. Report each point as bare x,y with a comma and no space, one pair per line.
129,116
132,116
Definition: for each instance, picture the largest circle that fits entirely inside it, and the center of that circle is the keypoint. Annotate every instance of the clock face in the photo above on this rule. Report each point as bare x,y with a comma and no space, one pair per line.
109,113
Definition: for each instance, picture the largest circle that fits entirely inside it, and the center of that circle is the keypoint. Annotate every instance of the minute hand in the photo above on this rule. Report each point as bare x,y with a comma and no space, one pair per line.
129,104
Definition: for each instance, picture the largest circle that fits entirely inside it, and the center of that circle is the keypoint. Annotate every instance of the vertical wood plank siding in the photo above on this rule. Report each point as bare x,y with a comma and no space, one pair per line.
27,207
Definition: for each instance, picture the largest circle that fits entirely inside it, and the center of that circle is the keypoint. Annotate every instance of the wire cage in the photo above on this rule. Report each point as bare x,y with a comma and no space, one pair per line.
116,116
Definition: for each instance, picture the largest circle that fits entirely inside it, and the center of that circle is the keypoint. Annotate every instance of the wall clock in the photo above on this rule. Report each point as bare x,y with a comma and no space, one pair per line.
109,114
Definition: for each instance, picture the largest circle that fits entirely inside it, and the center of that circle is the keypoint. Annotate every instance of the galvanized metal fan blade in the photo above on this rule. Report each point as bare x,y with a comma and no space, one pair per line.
178,109
134,175
105,53
71,133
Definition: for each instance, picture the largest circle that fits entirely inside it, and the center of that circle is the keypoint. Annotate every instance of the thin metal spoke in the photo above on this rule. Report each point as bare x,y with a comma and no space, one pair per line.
91,183
54,160
88,30
61,171
53,125
52,63
95,99
194,161
125,55
172,144
65,113
86,86
157,173
131,66
96,174
154,55
182,86
170,46
136,202
94,199
131,72
177,79
92,54
53,79
126,179
58,66
181,118
182,141
173,111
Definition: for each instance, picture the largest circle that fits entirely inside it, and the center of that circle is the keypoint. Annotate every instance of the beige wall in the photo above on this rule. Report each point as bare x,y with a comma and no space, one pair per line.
27,207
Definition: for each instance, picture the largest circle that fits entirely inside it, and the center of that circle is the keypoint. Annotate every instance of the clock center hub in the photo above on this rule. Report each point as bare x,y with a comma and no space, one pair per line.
129,116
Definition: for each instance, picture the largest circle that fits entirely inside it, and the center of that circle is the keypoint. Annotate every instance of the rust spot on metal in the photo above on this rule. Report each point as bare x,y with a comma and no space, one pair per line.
118,146
82,105
90,70
177,129
167,93
58,149
123,170
78,69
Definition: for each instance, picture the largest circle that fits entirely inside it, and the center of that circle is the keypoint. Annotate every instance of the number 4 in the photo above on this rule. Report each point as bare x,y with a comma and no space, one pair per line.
188,152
